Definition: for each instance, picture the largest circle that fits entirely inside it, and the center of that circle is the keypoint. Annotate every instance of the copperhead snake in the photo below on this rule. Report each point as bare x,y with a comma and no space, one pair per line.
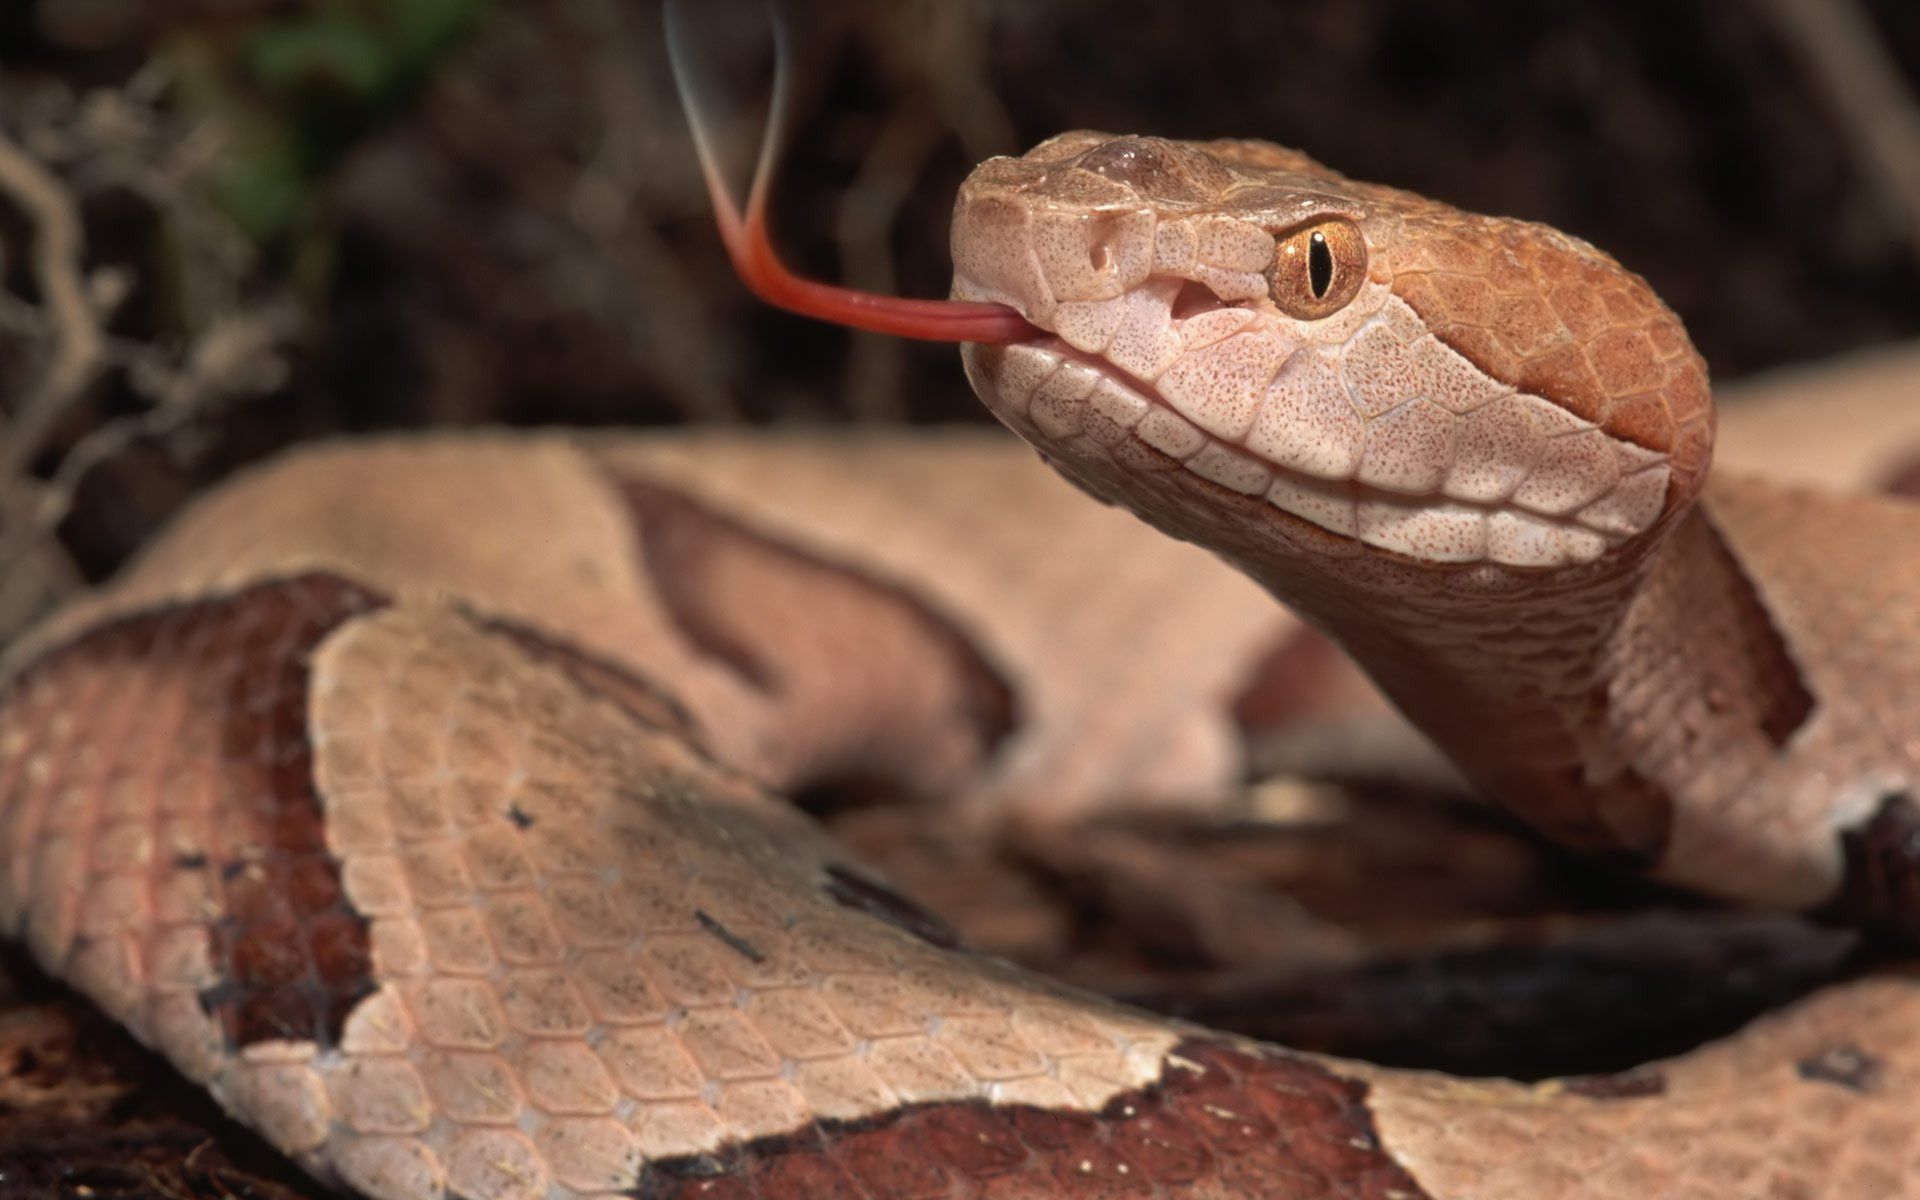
423,799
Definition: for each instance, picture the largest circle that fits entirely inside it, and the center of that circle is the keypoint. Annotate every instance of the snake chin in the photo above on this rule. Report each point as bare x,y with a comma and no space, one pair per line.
1517,483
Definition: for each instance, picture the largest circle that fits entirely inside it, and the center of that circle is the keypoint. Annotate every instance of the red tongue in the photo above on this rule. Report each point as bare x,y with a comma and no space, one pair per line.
751,250
931,320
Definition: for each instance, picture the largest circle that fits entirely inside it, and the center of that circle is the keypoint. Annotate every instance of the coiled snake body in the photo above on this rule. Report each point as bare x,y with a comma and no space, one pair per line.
421,799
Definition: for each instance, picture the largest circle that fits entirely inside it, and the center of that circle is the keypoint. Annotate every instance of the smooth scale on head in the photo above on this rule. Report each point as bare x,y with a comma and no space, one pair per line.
1363,362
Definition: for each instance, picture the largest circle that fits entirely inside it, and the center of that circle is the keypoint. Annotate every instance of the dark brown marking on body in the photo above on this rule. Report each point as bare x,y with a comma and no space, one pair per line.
1698,662
1904,480
1844,1066
1627,1085
682,543
204,706
728,937
728,588
1776,683
1220,1121
826,796
1881,883
850,889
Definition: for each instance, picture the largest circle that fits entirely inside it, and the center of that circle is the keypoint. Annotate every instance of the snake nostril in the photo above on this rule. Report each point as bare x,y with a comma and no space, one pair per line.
1106,233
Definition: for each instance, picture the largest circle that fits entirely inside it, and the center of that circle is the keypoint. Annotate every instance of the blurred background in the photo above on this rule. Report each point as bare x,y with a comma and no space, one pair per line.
229,225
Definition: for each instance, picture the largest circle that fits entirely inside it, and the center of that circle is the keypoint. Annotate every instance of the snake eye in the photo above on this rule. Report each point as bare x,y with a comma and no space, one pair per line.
1317,268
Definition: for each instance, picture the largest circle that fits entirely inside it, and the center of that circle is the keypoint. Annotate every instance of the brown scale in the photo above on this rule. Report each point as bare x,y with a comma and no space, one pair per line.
212,698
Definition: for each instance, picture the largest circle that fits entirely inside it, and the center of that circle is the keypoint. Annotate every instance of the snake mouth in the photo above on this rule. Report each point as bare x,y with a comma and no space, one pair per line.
1521,484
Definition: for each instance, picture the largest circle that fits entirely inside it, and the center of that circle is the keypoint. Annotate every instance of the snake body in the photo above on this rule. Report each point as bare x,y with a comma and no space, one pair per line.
423,799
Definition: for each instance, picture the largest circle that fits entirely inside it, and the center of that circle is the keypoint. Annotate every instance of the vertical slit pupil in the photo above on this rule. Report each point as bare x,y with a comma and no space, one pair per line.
1319,265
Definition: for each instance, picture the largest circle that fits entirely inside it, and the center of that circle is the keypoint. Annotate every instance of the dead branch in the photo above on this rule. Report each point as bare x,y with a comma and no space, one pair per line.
238,354
60,153
59,241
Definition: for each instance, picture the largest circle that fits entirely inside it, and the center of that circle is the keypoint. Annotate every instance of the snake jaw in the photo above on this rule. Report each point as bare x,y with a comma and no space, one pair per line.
1441,415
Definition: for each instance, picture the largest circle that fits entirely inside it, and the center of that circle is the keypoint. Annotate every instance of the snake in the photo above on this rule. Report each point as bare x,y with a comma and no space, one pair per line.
428,800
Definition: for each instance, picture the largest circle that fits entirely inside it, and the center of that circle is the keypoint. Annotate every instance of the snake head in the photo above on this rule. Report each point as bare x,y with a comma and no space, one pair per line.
1255,352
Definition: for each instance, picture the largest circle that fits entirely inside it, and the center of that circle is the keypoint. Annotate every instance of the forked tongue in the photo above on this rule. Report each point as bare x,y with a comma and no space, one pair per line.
751,250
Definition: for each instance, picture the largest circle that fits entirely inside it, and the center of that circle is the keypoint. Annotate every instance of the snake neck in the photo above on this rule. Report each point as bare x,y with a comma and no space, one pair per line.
1532,686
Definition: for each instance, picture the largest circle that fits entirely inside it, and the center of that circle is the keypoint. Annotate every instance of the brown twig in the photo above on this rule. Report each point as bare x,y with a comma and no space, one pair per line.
235,354
59,241
58,153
